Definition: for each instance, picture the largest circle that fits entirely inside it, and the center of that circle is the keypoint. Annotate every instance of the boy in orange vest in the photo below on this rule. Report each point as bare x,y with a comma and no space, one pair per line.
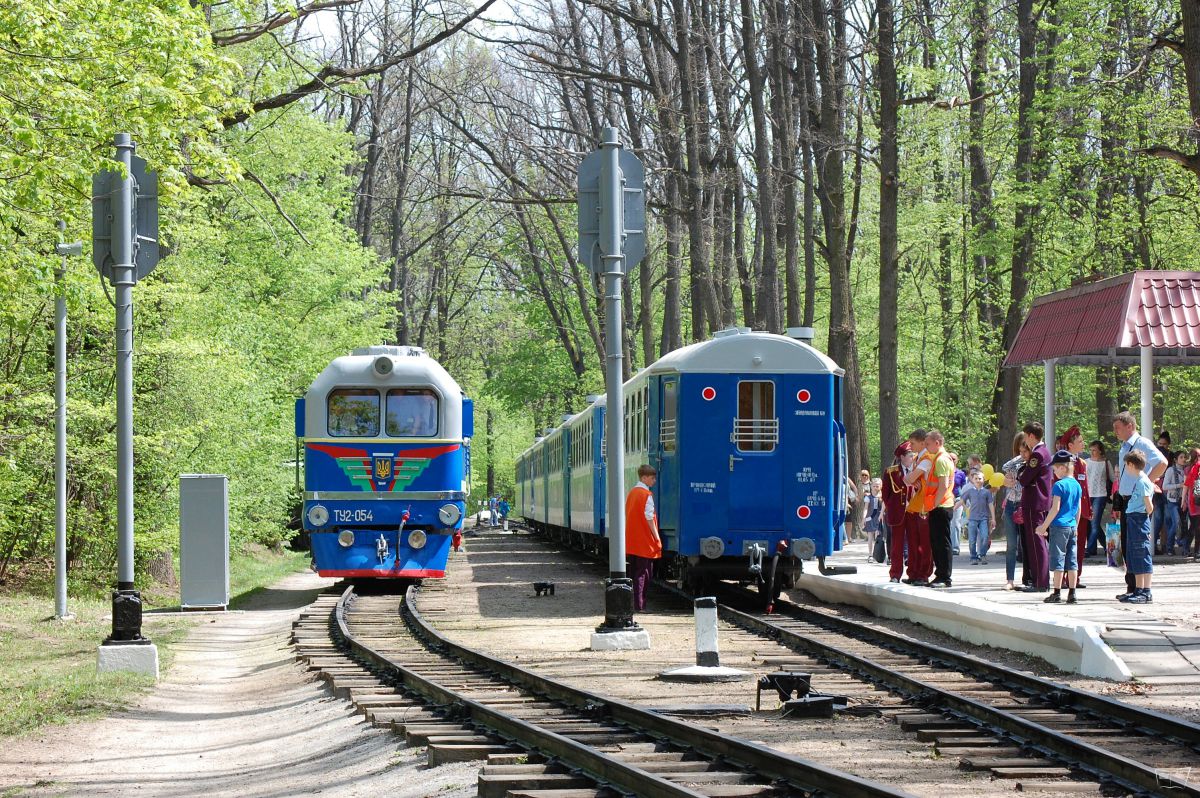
642,544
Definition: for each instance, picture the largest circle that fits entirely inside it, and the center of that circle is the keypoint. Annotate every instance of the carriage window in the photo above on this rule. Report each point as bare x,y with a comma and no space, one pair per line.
756,429
666,427
353,412
412,412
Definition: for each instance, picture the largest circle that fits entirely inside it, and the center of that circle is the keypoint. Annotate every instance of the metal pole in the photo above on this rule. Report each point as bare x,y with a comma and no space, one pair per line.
1147,369
123,272
60,440
127,604
618,592
1048,412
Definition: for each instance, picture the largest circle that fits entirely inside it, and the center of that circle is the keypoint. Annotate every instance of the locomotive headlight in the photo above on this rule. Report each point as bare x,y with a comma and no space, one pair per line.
346,538
416,539
318,515
383,365
449,514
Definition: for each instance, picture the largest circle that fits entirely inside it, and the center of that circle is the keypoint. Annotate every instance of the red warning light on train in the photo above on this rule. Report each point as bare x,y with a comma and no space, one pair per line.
803,395
803,511
709,393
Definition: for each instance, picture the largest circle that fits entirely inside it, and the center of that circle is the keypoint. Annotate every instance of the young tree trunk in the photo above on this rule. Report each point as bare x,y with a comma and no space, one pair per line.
829,36
983,219
766,312
889,171
1007,392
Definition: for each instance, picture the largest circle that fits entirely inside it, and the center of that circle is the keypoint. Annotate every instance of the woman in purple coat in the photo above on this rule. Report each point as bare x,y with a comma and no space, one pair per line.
1037,479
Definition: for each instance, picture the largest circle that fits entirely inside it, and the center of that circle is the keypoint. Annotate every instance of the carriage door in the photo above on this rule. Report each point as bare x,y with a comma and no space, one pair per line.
755,462
665,453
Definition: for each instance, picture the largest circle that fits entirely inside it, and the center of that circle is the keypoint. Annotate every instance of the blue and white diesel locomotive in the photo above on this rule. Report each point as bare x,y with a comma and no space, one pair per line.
386,434
746,433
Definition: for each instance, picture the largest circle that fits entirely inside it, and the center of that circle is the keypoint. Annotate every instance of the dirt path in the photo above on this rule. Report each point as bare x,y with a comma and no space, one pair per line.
235,716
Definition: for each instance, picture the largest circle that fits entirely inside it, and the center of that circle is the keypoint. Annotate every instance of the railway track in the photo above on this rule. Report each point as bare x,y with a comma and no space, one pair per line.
1047,735
541,738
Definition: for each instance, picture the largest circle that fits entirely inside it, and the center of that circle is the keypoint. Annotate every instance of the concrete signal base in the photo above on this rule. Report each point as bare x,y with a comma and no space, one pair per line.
703,674
624,640
137,658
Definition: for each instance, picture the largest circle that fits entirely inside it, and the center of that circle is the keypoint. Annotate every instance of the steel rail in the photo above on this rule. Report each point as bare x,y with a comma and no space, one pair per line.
1107,766
1100,763
595,764
758,759
808,777
1058,695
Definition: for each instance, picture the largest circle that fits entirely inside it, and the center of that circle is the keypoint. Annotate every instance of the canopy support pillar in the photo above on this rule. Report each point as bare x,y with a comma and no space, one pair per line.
1147,369
1048,413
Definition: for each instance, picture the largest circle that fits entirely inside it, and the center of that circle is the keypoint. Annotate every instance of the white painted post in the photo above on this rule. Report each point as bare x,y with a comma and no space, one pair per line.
707,655
1147,369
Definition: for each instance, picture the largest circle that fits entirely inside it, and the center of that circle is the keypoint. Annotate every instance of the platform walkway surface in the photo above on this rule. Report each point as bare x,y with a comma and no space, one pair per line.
1099,636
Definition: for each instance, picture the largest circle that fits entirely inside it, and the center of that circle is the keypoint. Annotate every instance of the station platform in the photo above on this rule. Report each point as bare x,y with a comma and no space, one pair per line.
1100,637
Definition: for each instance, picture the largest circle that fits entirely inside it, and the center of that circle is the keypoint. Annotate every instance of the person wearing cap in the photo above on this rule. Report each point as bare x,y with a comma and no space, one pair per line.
1059,527
1036,480
1072,441
896,493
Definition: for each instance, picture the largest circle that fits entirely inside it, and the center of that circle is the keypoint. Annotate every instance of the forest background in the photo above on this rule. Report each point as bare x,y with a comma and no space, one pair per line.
904,177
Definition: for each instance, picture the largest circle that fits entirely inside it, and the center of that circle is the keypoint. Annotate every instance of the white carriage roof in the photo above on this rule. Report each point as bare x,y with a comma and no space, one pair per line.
410,366
742,351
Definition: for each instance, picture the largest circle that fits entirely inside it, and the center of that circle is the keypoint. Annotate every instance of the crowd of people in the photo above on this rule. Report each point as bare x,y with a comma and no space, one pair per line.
1050,506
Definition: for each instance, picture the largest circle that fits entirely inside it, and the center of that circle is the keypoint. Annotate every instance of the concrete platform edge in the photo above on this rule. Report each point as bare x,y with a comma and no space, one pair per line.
1069,644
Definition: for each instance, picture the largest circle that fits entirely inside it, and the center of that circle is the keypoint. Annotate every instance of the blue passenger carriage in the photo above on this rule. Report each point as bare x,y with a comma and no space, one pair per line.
747,436
746,432
386,434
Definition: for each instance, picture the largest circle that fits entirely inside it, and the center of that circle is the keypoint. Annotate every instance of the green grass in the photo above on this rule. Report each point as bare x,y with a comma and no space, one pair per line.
259,570
48,667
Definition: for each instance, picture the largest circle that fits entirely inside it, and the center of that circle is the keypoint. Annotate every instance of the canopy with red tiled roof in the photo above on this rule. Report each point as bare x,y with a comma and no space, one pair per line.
1107,322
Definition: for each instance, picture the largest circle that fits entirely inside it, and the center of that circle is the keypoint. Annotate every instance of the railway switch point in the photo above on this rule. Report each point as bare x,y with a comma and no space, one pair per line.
708,659
789,685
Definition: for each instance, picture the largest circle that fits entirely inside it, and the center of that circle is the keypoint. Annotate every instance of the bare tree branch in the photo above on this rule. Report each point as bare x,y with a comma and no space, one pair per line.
231,36
1189,162
332,75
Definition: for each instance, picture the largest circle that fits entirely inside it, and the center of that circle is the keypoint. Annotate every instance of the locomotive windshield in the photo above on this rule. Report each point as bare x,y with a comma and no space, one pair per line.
353,412
412,412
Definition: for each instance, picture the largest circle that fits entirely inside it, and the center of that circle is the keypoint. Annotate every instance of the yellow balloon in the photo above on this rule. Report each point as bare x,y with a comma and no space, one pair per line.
996,480
988,471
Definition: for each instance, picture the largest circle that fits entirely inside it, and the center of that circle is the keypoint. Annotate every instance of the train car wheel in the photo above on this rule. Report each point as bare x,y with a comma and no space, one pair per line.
693,582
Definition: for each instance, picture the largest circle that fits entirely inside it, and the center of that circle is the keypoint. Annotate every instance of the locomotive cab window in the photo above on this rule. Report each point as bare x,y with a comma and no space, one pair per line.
756,429
412,413
353,412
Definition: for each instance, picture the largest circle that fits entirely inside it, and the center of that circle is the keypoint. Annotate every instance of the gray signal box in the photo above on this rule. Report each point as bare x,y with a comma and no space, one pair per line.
204,541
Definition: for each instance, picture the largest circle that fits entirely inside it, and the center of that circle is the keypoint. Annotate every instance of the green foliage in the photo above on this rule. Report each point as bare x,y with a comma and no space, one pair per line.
239,316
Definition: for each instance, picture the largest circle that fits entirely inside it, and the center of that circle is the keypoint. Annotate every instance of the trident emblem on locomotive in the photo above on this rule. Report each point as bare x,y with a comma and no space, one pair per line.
383,468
